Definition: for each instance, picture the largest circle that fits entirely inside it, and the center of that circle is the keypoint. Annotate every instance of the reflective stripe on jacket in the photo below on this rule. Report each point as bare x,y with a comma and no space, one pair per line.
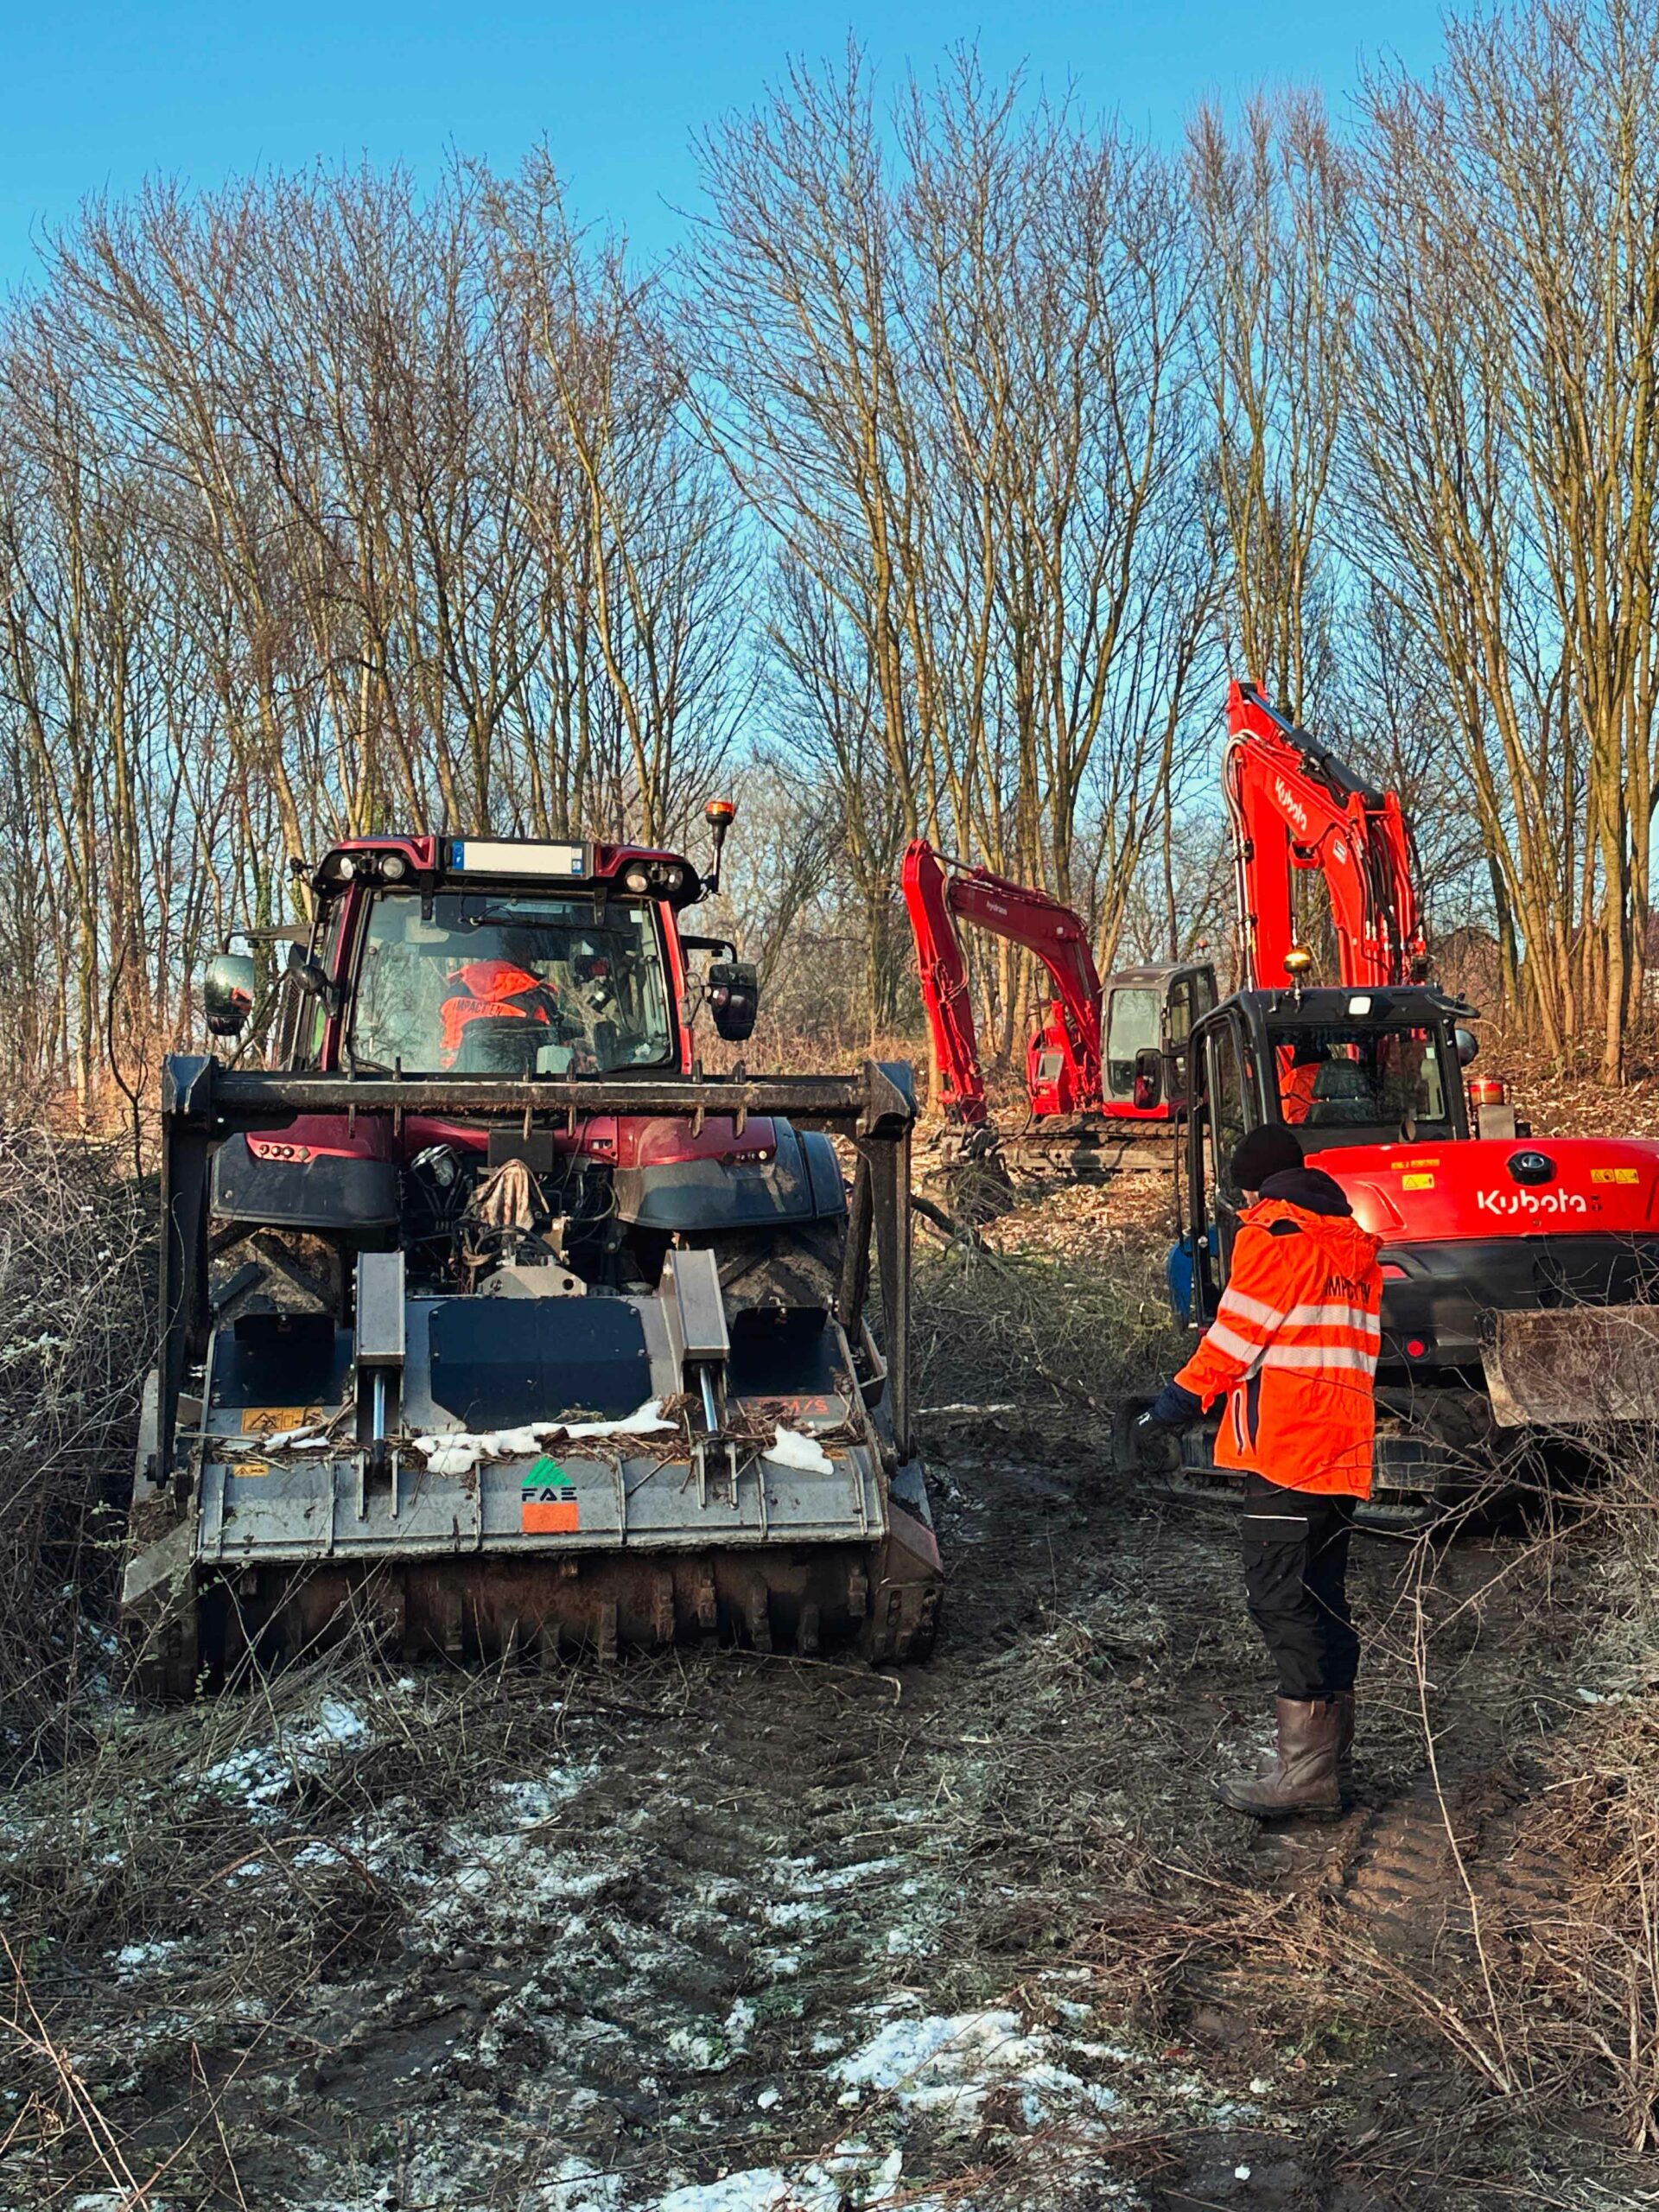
1295,1345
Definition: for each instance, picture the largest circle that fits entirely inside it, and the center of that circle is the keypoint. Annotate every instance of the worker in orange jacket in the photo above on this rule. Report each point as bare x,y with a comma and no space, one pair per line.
1294,1348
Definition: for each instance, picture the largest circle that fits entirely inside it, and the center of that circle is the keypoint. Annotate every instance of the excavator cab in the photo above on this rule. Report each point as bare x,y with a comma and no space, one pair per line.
1149,1015
1343,1068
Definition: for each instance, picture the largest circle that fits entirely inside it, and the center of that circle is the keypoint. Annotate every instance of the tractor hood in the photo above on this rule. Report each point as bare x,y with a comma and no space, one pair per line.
1492,1188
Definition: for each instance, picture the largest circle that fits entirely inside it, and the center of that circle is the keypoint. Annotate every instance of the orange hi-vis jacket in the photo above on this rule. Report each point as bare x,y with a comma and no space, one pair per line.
487,986
1295,1345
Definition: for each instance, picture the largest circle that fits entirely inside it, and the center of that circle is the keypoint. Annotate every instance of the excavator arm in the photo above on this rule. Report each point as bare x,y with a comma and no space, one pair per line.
938,896
1292,806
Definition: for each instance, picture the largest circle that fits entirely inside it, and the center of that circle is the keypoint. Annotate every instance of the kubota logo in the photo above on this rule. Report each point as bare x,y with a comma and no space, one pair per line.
1291,803
1531,1202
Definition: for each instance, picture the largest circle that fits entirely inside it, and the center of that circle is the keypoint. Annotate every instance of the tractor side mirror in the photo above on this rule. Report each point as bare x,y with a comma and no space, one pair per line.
1468,1046
1149,1078
227,993
312,977
733,998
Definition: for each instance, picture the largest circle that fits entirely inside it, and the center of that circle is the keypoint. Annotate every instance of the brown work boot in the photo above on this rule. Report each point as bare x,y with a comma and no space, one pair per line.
1303,1776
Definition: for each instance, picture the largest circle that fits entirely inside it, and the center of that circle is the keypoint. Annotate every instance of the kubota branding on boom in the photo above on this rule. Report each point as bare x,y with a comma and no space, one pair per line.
1291,803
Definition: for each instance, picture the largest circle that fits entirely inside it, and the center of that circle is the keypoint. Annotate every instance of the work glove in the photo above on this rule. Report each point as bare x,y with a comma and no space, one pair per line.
1172,1407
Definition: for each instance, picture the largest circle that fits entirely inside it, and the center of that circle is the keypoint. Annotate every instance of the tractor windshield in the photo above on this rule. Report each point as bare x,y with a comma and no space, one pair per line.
482,982
1360,1083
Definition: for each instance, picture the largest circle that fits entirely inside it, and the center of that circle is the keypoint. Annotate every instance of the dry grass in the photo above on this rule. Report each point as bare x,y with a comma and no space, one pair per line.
75,1263
1083,1326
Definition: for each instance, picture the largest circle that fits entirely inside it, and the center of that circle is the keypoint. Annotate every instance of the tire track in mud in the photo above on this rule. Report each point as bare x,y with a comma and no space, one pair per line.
647,1975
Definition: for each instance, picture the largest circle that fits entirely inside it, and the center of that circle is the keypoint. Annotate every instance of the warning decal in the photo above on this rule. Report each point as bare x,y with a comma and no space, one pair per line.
273,1420
549,1506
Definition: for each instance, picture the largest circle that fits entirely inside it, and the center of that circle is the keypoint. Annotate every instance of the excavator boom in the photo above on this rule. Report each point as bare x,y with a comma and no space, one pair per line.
936,895
1294,806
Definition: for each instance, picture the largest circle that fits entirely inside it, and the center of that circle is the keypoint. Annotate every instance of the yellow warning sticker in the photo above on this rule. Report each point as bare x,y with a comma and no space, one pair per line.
1615,1175
271,1420
251,1467
1432,1160
1416,1182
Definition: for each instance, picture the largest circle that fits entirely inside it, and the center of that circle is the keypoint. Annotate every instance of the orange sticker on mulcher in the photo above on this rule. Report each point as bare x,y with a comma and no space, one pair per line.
549,1505
272,1420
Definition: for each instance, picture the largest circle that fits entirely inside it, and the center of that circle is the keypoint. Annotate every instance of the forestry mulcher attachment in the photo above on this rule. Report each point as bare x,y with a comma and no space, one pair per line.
490,1323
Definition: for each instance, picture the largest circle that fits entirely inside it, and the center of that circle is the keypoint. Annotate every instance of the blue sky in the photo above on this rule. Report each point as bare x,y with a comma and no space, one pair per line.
97,96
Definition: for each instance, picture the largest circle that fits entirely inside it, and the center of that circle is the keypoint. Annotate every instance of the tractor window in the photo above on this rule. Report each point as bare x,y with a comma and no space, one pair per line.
1367,1080
1133,1025
481,983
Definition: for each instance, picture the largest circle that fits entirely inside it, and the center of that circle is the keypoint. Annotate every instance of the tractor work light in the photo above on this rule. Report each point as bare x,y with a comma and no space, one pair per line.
394,867
637,879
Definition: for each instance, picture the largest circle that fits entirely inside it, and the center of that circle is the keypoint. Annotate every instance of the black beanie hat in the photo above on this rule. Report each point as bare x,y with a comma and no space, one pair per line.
1270,1150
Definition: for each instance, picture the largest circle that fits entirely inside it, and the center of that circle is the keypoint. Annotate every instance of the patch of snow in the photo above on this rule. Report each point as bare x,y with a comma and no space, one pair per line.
133,1958
576,2187
263,1773
851,2174
805,1453
458,1450
795,1912
948,2063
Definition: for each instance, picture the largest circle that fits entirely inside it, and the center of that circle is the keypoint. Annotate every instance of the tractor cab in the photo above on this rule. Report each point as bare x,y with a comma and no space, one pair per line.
1343,1068
473,957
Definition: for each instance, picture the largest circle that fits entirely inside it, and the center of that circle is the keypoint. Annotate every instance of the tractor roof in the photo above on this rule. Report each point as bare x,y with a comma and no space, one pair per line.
432,862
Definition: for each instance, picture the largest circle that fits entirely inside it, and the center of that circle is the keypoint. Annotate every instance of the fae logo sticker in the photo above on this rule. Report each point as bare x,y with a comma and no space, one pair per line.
549,1505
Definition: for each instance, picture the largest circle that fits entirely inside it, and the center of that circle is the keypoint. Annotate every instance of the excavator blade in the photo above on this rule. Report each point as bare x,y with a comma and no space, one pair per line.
1574,1366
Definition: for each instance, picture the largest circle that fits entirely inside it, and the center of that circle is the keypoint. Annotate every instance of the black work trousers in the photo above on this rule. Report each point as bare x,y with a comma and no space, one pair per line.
1296,1583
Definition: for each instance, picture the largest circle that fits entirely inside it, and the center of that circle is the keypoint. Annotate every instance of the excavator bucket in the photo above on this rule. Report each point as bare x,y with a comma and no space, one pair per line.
1573,1366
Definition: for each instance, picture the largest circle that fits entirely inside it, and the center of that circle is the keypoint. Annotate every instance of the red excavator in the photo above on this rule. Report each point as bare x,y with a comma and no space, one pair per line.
1106,1057
1520,1275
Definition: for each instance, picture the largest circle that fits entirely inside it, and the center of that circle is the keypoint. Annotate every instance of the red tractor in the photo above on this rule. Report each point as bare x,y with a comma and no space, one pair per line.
489,1319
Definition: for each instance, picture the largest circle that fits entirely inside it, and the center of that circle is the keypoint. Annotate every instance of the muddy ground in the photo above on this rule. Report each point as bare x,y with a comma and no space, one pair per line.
710,1933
